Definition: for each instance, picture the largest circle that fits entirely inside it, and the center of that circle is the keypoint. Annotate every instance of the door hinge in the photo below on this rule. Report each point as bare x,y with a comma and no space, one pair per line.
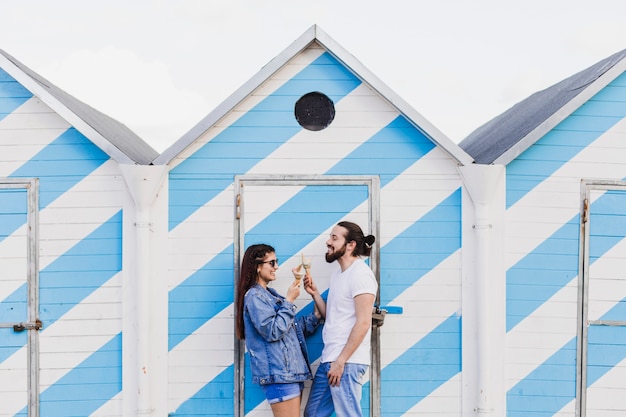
238,207
585,210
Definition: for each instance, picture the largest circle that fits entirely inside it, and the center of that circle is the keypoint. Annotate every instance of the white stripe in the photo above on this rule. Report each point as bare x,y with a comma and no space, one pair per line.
551,204
277,80
19,145
445,401
425,305
607,396
13,263
113,407
13,394
86,206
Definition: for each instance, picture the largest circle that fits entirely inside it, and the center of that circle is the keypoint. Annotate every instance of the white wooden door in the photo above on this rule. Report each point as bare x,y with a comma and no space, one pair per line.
603,359
19,325
295,215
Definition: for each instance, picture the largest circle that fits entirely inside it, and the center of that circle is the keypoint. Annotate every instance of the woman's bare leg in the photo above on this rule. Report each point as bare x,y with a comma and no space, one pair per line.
289,408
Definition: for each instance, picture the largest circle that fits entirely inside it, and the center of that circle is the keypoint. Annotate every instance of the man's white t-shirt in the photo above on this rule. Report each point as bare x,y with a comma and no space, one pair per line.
341,313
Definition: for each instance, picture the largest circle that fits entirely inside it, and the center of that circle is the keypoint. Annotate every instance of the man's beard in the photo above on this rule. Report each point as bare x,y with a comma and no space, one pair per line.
336,254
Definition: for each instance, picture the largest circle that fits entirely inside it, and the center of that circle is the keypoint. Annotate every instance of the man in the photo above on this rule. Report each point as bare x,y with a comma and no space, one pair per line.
345,358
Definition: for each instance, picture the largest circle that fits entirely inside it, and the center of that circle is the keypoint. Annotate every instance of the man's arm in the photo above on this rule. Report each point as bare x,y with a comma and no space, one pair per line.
363,305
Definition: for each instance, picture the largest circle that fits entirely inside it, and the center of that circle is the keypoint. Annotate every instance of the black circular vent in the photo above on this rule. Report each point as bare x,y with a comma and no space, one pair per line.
315,111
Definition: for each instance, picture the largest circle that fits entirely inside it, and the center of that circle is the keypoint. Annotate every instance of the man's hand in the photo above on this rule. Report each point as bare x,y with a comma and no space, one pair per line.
334,373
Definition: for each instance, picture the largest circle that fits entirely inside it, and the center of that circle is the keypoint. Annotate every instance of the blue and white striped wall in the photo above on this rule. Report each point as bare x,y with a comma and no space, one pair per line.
71,229
80,261
546,252
420,232
508,303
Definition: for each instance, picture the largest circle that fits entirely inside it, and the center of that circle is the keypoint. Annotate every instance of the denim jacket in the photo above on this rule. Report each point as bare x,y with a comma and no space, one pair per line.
275,337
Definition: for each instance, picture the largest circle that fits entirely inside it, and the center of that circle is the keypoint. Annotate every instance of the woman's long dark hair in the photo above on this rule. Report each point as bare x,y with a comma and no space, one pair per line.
363,243
247,279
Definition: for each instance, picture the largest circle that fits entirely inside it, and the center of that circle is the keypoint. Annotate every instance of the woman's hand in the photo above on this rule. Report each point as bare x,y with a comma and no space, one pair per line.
293,292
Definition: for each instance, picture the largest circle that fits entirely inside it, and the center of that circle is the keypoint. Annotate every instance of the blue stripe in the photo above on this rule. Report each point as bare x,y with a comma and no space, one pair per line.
12,94
554,263
86,387
420,248
13,210
422,369
268,125
215,398
387,153
546,389
200,297
62,164
606,345
76,274
565,141
552,385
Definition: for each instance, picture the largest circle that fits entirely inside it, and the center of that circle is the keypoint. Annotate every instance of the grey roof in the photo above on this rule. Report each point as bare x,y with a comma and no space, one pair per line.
113,137
315,34
509,134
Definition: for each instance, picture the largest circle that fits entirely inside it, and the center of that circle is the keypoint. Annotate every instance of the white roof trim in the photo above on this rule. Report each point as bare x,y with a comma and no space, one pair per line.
314,33
560,115
62,110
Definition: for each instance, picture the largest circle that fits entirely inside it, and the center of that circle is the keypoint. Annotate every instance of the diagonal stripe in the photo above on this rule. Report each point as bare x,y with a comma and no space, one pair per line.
268,125
433,361
557,199
417,291
549,154
420,248
94,321
13,210
205,227
189,299
95,260
548,388
12,94
554,263
552,385
88,386
62,164
387,153
554,323
59,166
20,144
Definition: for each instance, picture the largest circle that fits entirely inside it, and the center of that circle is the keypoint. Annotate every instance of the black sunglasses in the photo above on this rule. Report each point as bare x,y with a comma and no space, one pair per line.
273,262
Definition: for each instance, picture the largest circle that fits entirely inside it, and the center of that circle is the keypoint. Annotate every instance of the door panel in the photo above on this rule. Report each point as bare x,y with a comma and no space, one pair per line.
18,299
604,305
295,216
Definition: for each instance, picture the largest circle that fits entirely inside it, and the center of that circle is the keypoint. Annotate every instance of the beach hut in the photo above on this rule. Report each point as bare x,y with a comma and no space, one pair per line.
74,189
314,138
564,153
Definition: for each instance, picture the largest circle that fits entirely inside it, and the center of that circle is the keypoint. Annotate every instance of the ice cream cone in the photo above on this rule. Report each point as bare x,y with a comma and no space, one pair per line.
306,263
297,274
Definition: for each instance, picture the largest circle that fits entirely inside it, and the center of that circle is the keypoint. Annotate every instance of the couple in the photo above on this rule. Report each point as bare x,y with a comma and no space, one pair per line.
275,337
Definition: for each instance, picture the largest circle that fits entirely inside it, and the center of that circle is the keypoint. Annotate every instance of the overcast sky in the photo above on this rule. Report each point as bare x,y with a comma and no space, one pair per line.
161,66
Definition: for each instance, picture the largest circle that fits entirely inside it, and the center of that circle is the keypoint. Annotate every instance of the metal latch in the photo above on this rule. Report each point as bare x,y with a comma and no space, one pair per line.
20,327
379,313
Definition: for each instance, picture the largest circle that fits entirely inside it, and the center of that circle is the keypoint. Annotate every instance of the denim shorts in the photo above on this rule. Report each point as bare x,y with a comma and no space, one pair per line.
276,393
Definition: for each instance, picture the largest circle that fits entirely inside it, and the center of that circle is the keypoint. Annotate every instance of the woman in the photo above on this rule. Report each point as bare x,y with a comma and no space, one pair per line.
274,335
